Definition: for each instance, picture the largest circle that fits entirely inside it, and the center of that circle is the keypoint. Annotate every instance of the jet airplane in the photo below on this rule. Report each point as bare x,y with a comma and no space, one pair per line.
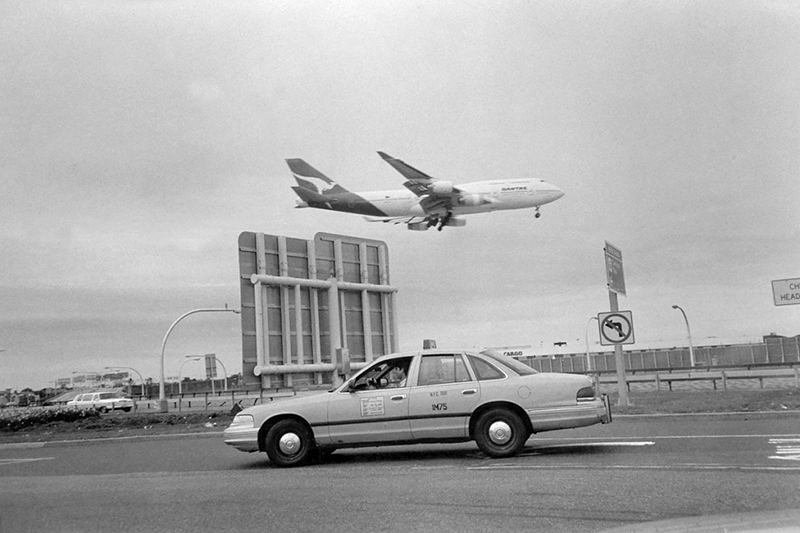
426,202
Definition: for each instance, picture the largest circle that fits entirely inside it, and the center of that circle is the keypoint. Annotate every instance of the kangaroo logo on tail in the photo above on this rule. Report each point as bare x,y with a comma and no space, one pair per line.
312,179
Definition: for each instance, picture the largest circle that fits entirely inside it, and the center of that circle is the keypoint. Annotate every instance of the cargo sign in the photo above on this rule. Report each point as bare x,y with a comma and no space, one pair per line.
786,291
515,351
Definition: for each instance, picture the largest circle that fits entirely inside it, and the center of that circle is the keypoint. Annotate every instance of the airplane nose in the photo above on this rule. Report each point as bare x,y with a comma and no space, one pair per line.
553,193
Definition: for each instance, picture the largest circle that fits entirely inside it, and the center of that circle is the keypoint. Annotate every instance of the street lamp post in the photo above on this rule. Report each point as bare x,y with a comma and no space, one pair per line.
689,332
162,399
588,359
180,372
224,373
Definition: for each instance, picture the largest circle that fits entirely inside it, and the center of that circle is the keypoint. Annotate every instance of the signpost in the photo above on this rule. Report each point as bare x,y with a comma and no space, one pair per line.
786,291
616,285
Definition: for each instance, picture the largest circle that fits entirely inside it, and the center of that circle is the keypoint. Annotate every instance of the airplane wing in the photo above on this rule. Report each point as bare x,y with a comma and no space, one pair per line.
418,182
438,197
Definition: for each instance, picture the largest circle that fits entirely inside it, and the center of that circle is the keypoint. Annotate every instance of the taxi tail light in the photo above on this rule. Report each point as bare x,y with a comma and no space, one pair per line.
586,394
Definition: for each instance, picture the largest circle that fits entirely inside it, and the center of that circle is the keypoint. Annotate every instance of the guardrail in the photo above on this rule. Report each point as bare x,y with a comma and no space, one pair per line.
206,401
721,375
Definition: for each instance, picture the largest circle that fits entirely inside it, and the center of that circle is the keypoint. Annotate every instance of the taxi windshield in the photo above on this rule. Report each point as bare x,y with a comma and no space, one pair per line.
520,368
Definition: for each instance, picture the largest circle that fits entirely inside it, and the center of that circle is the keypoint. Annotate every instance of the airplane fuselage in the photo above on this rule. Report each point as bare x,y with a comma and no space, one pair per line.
476,197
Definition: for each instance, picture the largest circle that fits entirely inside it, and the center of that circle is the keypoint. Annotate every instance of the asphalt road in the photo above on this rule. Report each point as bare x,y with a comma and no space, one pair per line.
629,472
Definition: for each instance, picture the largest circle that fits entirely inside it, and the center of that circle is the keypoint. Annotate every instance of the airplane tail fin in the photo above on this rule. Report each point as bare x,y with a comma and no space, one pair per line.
309,198
312,180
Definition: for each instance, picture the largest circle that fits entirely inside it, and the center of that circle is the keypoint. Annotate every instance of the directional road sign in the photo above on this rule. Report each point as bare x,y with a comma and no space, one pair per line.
616,327
615,276
786,291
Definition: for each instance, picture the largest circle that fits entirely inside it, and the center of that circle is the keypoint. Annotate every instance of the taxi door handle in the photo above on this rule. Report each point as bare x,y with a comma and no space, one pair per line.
398,397
467,392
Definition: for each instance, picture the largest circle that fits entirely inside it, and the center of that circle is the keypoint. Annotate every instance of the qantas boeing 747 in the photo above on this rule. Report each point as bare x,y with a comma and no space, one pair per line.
427,202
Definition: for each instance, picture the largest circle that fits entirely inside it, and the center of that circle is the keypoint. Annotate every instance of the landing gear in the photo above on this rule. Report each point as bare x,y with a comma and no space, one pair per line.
445,219
538,214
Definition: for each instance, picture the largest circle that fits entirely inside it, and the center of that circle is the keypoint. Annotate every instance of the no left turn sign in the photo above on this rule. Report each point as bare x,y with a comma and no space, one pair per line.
616,328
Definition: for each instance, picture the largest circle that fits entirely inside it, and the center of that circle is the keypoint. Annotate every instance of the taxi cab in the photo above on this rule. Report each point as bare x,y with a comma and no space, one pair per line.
425,396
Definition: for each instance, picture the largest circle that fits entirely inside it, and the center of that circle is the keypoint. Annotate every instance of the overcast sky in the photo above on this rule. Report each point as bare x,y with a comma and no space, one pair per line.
140,138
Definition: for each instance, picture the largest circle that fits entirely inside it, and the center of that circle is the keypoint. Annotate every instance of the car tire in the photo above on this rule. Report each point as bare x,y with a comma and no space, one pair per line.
127,409
500,433
103,409
289,443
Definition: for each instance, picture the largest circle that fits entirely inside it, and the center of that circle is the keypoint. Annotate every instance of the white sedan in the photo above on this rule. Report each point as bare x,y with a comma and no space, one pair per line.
102,401
426,396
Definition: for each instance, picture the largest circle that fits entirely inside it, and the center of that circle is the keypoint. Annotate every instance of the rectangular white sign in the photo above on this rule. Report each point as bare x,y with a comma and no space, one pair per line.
615,276
786,291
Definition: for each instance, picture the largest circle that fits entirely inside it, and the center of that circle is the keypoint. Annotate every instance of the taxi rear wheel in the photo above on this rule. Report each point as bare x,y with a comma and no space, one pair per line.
500,433
289,443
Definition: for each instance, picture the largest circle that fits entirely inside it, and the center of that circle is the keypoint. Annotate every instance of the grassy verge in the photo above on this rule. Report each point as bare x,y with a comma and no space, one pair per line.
674,402
31,426
110,425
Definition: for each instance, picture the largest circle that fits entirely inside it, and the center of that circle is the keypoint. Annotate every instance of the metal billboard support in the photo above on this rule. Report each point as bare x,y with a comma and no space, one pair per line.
311,307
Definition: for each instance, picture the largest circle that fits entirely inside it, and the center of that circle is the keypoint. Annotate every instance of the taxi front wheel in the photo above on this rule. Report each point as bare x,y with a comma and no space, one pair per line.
500,433
289,443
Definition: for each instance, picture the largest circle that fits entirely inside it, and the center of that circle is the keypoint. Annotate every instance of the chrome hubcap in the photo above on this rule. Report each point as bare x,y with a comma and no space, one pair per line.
499,432
289,444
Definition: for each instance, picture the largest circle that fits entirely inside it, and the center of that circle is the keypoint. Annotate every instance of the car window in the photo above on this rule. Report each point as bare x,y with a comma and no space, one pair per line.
106,395
520,368
484,370
389,374
442,368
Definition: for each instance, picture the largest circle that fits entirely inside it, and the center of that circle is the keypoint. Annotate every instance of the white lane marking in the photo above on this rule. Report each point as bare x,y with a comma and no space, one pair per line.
792,436
615,443
17,461
689,466
786,449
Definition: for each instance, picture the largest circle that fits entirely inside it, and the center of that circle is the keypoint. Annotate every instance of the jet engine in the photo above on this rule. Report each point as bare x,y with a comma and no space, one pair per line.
441,187
471,199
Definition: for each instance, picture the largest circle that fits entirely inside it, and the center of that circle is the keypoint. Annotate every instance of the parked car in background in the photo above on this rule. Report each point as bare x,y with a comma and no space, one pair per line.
102,401
426,396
